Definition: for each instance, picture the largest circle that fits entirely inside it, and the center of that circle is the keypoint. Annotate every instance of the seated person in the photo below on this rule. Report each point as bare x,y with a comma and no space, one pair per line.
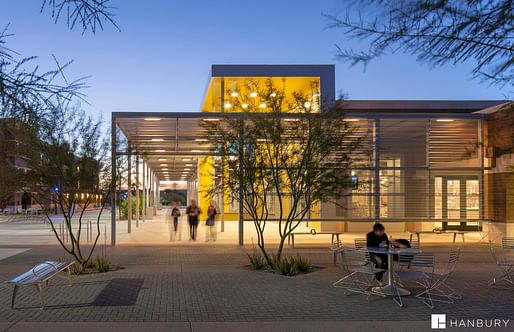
378,238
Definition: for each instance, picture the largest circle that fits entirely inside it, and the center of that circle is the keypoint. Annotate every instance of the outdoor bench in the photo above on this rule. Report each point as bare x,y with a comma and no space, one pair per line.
313,232
39,276
455,233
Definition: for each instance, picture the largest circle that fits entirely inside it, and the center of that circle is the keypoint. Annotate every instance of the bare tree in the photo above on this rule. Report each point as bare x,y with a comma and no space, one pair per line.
89,14
296,160
26,91
69,169
436,31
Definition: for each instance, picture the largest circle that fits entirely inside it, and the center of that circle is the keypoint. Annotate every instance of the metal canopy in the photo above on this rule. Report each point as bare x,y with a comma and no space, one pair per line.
170,143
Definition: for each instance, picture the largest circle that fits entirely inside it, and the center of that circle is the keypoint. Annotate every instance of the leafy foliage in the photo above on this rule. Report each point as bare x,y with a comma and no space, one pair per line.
436,31
292,154
257,261
89,14
101,264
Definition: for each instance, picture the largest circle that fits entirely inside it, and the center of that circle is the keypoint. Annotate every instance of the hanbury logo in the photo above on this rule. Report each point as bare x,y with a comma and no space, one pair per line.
438,321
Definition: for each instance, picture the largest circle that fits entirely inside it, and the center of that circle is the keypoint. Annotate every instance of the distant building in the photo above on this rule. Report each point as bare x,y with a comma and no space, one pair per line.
13,163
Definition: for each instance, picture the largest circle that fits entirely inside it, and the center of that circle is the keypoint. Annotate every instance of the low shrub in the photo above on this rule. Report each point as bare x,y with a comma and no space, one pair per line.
257,261
101,265
76,269
285,266
302,264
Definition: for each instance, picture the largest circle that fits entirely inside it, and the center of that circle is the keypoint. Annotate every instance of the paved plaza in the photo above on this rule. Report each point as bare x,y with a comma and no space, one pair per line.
207,287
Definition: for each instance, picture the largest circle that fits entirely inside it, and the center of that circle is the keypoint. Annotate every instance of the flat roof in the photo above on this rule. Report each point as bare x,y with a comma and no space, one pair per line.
416,106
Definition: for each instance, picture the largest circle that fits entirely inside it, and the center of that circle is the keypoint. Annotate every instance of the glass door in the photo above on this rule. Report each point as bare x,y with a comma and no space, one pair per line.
457,203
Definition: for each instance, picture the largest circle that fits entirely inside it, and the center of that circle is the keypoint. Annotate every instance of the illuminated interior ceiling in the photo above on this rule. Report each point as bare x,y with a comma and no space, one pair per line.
170,144
250,88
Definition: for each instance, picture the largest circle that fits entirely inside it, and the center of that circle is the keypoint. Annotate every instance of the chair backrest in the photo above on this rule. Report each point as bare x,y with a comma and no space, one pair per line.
361,243
414,243
453,259
353,257
424,260
508,242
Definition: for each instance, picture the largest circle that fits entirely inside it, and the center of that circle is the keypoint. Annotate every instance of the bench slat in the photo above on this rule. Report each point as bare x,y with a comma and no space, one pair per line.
40,273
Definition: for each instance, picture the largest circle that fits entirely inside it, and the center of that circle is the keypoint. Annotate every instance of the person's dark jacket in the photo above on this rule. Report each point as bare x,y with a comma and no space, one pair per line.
372,240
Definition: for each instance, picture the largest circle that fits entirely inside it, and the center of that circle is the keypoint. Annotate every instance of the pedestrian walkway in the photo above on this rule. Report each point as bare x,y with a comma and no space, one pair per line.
208,287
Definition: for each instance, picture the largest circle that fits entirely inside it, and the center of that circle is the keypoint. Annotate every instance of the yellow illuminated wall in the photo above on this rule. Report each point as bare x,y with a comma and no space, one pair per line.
205,184
250,88
222,96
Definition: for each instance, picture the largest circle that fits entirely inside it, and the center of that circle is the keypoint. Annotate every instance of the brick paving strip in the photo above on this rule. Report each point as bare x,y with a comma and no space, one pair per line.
206,288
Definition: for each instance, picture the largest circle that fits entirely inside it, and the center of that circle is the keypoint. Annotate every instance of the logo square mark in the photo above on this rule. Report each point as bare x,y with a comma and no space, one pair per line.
438,321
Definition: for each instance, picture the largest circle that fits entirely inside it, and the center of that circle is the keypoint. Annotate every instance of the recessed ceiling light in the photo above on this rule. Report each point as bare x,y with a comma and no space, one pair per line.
245,105
157,140
187,169
165,169
262,105
444,120
196,151
307,104
253,94
227,105
351,120
162,159
160,150
201,139
186,159
163,165
152,119
273,94
211,119
234,94
189,164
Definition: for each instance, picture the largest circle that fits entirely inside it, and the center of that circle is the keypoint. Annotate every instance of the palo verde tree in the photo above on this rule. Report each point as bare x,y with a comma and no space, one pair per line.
284,150
436,31
26,91
69,169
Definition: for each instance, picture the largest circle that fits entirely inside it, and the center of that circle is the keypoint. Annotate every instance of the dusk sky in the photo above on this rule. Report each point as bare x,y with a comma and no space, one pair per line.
160,61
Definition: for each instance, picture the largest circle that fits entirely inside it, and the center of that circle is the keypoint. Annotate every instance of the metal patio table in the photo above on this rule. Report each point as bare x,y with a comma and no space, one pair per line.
391,289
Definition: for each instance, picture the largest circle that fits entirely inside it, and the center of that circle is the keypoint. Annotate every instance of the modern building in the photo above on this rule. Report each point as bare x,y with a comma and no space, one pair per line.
433,164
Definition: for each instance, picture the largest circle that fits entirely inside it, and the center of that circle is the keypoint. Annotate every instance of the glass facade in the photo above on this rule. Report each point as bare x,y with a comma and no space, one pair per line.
421,169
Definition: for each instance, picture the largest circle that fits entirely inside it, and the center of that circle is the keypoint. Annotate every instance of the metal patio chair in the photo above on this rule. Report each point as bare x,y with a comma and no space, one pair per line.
441,291
414,244
359,276
504,259
508,243
421,272
361,243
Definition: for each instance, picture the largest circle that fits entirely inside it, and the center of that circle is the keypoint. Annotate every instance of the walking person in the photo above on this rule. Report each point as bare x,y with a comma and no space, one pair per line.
193,211
211,220
175,213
